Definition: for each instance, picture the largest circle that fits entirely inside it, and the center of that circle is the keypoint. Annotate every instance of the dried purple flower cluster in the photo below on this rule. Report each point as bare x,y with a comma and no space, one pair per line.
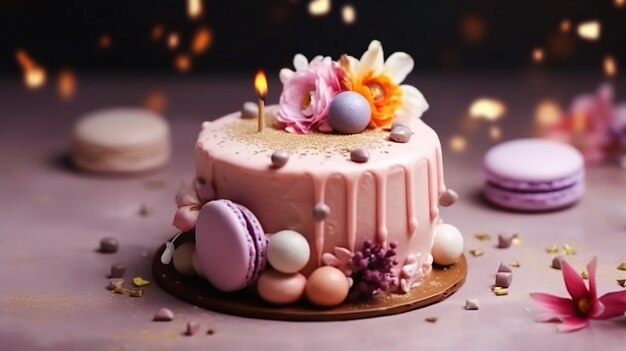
371,269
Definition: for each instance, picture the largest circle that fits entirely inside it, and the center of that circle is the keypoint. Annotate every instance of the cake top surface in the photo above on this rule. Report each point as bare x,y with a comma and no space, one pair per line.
236,140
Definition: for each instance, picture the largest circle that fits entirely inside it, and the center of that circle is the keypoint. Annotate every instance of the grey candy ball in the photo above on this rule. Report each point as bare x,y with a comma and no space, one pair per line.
359,155
349,113
400,134
280,158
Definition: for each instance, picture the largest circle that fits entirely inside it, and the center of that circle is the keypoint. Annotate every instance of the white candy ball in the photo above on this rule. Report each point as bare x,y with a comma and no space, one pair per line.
182,259
447,244
288,251
197,267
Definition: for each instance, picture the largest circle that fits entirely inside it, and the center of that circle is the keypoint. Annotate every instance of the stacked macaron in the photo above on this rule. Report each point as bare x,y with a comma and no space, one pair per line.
230,244
533,175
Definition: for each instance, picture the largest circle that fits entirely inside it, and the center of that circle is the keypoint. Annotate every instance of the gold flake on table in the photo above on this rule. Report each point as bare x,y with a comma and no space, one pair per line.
584,274
622,266
552,249
482,236
621,282
500,291
135,292
515,264
140,282
476,252
517,239
568,249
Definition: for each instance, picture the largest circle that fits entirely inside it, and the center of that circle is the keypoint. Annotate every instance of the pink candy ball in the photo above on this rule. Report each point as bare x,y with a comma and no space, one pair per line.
327,286
280,288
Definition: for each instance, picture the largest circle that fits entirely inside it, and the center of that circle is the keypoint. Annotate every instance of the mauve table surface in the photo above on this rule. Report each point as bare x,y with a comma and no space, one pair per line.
53,282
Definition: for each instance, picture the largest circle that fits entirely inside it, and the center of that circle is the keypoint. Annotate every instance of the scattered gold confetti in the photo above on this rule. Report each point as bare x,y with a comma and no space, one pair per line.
517,239
135,292
515,264
319,7
538,55
202,40
622,266
568,249
584,274
173,40
34,75
348,14
500,291
565,26
431,319
182,62
609,66
622,283
487,108
458,143
552,249
105,41
66,84
194,8
119,290
476,253
589,30
482,236
547,113
139,282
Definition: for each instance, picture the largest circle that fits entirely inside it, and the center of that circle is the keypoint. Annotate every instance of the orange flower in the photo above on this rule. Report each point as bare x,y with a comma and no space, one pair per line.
379,82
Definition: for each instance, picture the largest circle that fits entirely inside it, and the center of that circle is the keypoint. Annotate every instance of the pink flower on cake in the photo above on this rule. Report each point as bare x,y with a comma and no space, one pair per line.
584,305
189,200
307,93
379,82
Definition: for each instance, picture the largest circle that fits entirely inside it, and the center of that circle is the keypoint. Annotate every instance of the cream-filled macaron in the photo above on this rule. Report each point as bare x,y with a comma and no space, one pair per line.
121,140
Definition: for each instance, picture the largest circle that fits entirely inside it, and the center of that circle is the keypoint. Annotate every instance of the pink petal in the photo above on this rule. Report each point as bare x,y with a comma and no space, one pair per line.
187,195
185,218
343,255
614,305
554,304
571,324
330,259
573,281
548,318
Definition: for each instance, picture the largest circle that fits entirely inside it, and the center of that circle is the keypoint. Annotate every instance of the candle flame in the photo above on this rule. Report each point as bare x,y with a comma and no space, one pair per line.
105,41
619,3
538,55
565,26
457,143
182,62
260,84
548,113
157,32
589,30
173,40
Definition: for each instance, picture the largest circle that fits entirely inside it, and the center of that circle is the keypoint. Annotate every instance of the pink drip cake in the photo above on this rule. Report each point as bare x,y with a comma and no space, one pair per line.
333,196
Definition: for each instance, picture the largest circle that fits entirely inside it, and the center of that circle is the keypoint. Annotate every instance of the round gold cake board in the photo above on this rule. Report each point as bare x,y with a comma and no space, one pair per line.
440,283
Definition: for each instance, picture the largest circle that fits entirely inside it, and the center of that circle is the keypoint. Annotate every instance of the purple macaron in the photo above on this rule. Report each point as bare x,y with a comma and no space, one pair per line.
230,244
534,175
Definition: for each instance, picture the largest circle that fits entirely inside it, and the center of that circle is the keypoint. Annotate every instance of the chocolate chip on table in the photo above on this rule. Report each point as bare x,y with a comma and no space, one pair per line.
117,271
192,328
109,244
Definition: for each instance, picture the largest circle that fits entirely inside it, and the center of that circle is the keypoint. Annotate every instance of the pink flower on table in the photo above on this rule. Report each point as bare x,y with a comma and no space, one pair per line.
587,123
189,200
584,305
307,93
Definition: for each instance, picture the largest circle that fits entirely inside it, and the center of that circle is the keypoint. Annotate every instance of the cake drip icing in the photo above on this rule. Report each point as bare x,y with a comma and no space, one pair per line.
435,188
